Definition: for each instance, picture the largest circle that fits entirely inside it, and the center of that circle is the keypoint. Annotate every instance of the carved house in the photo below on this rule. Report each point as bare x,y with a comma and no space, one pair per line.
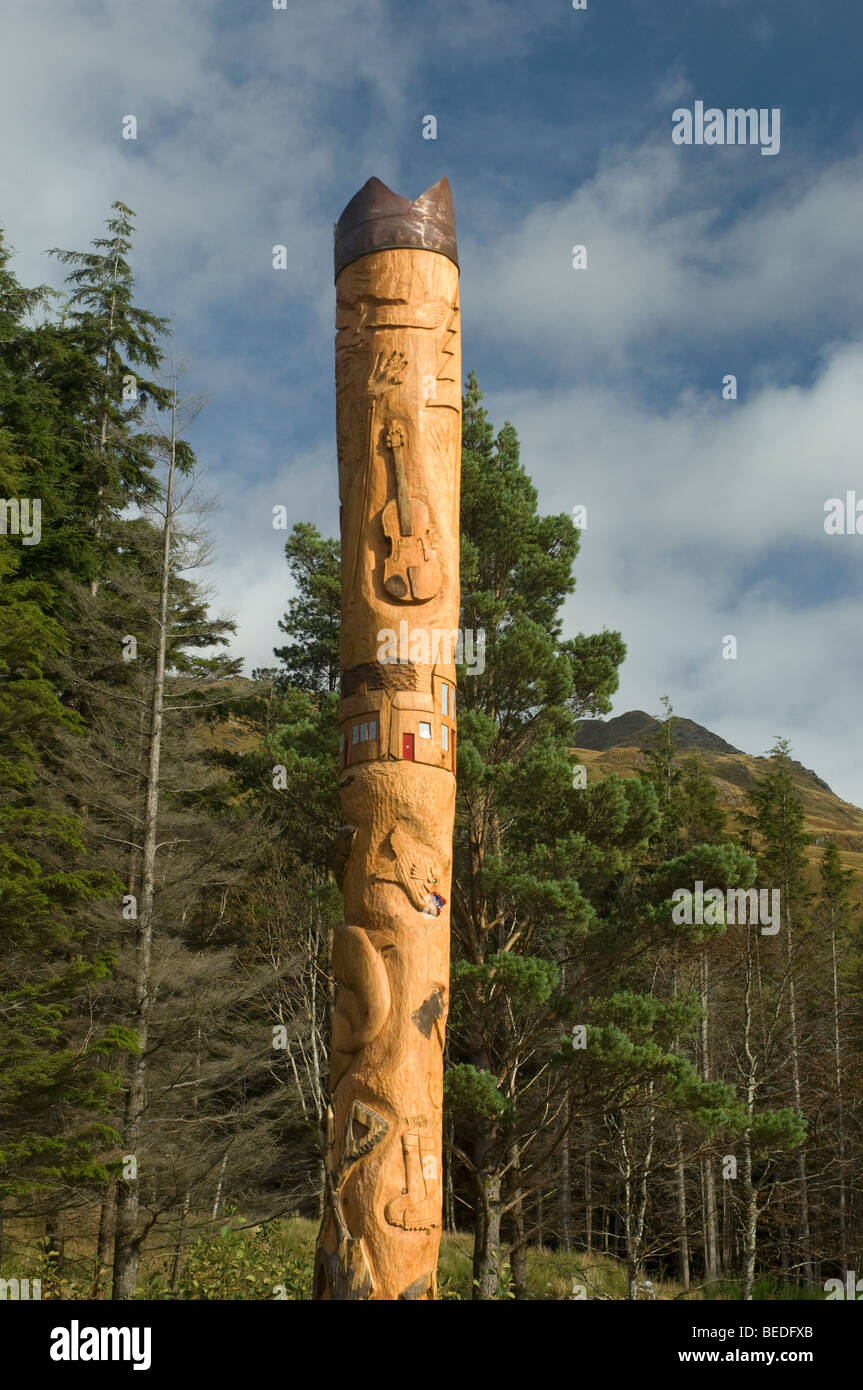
407,725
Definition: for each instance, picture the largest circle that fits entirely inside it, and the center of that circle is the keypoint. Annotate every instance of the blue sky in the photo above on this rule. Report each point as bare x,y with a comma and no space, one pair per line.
705,517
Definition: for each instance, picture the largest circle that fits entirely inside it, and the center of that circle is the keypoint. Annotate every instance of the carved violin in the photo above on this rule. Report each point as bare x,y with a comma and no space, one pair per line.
412,569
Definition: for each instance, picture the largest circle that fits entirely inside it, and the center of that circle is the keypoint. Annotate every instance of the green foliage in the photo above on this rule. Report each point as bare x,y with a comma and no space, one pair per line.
837,908
776,830
662,769
290,729
691,810
527,979
55,1087
85,377
720,866
776,1130
474,1092
702,818
311,659
238,1265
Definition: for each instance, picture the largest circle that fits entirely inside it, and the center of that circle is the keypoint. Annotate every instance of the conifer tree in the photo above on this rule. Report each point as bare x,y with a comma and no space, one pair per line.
310,661
56,1080
516,901
778,825
112,353
835,915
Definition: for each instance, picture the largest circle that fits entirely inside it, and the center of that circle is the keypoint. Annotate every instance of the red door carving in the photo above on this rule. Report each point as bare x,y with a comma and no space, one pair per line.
408,747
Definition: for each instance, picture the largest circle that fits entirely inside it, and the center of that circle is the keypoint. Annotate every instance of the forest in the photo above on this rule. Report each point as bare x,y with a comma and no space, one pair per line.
636,1105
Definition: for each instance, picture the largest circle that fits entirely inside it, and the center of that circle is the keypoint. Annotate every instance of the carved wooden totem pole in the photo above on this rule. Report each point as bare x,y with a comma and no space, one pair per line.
398,393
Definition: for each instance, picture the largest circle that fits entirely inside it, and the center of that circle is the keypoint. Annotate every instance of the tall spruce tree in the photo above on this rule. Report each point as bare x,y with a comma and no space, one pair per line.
835,914
56,1079
310,660
778,825
111,353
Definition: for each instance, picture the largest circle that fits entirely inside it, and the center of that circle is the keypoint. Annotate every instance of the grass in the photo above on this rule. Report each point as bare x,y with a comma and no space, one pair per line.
552,1275
276,1260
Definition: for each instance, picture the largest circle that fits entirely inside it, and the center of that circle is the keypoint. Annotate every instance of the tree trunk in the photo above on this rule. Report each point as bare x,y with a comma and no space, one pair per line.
449,1191
398,394
178,1257
518,1257
104,1238
633,1273
126,1239
840,1114
800,1155
588,1203
486,1245
683,1237
750,1195
784,1241
680,1174
55,1244
565,1182
711,1223
635,1181
518,1248
750,1216
217,1200
103,424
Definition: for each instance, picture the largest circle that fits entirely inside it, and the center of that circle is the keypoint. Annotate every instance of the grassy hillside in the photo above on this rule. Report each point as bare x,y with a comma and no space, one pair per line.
734,775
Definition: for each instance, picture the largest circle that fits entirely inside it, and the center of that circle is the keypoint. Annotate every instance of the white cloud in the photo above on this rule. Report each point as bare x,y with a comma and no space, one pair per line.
689,513
665,259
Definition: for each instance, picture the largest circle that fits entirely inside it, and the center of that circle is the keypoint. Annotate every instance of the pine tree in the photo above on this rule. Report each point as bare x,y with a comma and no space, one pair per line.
514,892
